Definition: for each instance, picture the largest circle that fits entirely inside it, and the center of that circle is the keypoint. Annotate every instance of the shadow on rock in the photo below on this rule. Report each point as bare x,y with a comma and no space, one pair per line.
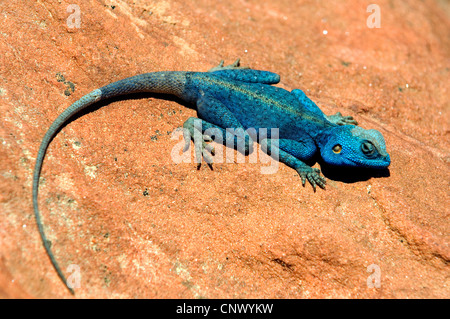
351,174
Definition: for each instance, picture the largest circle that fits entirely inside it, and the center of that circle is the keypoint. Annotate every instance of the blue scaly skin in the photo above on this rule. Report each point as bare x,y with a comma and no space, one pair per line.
241,98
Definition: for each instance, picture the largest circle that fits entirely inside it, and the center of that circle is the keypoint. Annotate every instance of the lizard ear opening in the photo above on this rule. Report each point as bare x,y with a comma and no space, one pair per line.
337,149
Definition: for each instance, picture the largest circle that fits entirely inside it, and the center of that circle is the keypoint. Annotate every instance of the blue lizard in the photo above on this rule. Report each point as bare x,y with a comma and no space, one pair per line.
241,98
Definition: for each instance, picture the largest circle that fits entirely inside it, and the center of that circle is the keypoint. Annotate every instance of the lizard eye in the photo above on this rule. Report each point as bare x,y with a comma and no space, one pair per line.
367,148
337,149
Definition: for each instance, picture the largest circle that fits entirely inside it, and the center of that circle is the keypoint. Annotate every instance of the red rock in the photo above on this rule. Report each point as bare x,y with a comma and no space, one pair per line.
139,225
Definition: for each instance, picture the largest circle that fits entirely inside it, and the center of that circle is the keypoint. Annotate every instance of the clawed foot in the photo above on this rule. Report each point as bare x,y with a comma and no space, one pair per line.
341,120
201,147
234,66
313,177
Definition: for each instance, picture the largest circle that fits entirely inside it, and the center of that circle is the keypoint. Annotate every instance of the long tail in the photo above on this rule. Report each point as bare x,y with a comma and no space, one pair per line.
156,82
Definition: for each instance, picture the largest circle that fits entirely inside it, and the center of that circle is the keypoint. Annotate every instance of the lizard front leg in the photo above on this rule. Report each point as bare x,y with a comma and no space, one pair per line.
337,118
291,152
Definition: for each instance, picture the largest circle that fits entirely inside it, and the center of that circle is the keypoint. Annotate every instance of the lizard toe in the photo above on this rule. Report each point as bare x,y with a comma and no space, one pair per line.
312,182
346,120
318,179
303,177
313,177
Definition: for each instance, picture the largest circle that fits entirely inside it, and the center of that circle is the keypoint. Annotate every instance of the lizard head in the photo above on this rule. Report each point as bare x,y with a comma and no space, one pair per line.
353,146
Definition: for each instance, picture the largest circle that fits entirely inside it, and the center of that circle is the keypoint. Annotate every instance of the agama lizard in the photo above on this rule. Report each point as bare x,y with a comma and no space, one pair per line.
241,98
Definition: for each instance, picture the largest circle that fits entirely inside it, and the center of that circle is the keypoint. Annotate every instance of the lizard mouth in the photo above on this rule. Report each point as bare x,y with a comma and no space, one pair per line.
384,162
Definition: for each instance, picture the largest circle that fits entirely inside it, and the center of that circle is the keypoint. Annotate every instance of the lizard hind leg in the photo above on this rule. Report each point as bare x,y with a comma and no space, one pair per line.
339,119
236,65
215,114
237,72
200,132
193,130
215,119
